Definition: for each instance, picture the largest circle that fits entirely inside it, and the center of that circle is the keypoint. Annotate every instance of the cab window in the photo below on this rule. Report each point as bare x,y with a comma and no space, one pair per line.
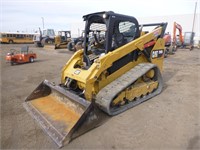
128,30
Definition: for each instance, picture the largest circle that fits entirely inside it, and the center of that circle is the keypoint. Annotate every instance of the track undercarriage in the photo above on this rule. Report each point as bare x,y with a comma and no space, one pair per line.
131,89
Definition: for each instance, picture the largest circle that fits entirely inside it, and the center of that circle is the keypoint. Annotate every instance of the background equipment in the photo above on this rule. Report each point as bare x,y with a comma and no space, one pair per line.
62,39
177,39
188,40
15,57
45,37
76,43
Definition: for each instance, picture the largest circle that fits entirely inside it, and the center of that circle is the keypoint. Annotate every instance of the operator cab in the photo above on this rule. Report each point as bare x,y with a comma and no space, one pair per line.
65,35
105,32
48,32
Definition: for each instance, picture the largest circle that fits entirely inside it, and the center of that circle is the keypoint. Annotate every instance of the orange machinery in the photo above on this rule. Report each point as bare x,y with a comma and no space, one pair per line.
23,56
167,38
179,27
171,43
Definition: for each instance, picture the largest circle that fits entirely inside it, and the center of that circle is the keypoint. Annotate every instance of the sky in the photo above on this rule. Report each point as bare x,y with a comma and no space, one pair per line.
28,15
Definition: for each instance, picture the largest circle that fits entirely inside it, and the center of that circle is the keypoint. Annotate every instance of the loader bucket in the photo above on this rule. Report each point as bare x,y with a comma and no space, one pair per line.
60,113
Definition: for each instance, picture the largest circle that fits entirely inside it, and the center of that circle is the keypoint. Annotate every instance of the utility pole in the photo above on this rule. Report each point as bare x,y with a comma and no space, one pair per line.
42,22
194,16
78,32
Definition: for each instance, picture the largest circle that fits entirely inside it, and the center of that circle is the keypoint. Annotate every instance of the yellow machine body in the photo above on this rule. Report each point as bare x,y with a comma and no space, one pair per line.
112,73
95,78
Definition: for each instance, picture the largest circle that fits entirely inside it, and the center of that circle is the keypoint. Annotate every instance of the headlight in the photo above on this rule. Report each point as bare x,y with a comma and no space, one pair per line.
105,16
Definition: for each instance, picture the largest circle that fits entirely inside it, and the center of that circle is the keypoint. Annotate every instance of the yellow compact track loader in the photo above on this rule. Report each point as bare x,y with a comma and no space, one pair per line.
119,67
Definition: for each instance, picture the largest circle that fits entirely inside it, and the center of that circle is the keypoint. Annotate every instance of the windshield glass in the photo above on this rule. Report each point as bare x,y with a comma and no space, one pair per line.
96,36
128,30
2,35
45,32
50,32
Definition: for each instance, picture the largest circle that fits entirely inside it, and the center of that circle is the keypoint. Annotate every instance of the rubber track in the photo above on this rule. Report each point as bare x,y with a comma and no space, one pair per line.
106,95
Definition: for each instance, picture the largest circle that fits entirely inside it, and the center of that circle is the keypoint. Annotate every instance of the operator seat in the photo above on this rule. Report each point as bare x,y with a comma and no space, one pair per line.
24,49
119,40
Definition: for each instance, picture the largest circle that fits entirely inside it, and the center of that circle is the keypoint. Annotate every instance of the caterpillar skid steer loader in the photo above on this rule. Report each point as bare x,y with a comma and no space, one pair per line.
118,68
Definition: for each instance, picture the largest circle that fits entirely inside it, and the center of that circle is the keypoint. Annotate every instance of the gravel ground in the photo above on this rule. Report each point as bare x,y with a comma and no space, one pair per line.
170,120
